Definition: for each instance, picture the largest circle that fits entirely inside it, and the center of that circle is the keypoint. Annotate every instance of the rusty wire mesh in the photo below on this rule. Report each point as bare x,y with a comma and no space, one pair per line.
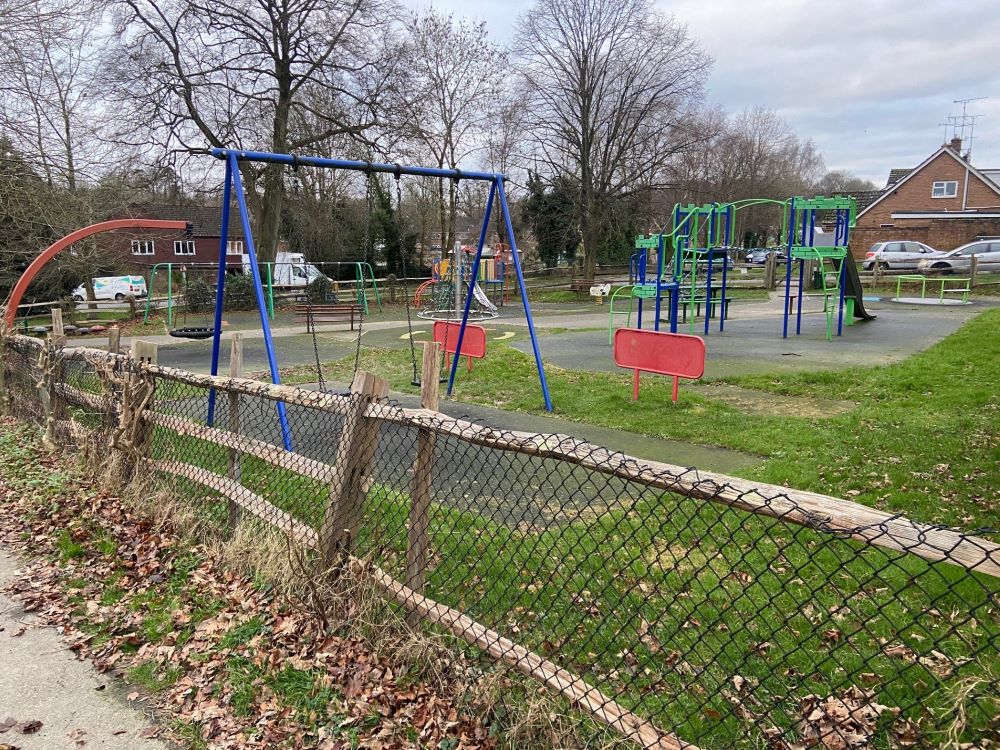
721,627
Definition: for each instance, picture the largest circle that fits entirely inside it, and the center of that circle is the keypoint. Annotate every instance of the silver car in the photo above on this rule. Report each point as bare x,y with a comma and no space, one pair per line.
898,255
987,253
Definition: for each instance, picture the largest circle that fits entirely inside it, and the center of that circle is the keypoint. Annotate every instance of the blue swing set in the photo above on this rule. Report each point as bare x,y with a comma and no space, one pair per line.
234,184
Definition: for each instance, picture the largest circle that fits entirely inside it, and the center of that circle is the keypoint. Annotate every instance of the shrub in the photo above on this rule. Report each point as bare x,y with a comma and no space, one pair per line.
199,296
320,290
240,293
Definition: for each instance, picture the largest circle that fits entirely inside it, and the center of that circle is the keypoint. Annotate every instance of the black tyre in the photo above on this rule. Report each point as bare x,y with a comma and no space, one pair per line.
883,266
119,297
942,268
77,298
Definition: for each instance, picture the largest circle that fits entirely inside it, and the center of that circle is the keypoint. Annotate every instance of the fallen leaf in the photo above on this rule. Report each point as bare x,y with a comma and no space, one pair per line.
29,727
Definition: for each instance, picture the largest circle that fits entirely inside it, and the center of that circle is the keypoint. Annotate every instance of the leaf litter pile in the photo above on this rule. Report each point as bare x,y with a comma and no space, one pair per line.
223,661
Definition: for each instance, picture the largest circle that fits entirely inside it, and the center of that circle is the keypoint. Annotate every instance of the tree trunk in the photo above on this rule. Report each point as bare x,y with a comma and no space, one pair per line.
443,218
590,236
269,221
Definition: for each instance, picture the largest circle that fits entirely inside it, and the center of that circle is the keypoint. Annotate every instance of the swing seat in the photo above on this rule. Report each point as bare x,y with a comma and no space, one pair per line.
192,333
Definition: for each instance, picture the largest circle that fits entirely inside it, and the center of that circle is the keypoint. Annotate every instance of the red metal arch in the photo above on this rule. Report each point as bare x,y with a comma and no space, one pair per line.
54,249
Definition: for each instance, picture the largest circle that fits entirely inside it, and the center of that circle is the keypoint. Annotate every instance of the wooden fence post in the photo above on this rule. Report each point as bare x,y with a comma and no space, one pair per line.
115,340
355,453
770,265
973,271
46,391
137,397
420,492
235,464
58,331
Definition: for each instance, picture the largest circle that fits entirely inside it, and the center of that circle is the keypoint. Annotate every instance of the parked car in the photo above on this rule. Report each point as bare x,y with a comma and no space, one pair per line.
113,287
759,255
987,253
898,255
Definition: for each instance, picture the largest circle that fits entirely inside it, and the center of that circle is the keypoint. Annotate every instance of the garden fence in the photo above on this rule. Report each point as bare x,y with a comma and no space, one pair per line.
681,608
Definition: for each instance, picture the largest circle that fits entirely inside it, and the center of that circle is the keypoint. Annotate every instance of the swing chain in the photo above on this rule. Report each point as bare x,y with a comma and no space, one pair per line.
406,294
364,255
311,324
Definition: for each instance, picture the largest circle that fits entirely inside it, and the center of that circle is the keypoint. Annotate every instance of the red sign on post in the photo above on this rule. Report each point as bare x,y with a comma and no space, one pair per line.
674,354
473,342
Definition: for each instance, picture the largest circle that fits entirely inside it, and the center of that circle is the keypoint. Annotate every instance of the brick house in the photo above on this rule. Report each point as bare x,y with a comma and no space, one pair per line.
142,248
943,202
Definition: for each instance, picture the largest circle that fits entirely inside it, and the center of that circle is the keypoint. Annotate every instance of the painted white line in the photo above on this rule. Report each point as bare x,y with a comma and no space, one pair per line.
504,336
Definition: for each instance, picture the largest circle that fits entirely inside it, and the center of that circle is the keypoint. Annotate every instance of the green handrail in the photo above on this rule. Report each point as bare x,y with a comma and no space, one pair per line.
170,296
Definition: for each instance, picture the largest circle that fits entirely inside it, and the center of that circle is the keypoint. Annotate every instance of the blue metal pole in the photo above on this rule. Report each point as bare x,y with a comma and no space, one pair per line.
642,280
710,241
674,304
722,308
843,277
659,278
357,166
788,268
258,289
220,286
472,282
524,295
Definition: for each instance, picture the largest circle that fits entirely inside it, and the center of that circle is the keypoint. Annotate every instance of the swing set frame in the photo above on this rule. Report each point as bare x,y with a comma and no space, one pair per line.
234,185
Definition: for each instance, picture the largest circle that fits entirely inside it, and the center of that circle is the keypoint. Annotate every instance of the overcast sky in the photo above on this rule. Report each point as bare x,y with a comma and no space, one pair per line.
869,82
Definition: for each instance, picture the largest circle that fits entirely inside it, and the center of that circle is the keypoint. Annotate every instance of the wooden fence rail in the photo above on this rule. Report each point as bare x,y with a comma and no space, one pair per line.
348,480
873,526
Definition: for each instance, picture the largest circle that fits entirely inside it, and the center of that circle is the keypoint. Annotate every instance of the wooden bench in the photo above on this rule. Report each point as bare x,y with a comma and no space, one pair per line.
581,286
313,314
685,301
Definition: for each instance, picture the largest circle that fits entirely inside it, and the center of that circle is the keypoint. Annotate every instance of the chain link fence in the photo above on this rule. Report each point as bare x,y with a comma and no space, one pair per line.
681,608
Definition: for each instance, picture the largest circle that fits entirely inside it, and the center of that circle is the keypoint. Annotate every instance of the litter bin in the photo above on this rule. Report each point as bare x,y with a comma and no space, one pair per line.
817,279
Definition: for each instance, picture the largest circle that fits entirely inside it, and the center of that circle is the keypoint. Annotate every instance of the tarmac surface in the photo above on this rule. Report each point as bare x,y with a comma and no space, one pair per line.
41,680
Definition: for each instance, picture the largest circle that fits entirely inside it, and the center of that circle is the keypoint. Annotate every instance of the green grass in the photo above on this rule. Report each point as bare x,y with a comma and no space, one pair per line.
921,441
726,593
153,677
68,548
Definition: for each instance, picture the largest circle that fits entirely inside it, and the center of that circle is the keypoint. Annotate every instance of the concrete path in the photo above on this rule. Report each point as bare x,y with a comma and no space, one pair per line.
41,680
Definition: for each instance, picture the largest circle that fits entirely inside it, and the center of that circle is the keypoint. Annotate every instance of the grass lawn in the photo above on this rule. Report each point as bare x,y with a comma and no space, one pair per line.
664,601
922,440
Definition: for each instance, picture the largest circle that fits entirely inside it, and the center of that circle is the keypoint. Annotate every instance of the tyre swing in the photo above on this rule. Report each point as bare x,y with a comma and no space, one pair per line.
190,332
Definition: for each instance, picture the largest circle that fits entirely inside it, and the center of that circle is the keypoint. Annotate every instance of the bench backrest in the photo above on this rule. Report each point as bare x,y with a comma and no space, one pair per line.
325,308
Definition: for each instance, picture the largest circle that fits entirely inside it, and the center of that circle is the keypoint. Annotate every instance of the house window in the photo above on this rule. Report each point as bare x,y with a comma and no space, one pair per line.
142,247
944,189
183,247
234,247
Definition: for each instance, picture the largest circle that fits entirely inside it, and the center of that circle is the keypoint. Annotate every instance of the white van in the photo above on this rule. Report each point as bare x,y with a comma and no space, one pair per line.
290,270
113,287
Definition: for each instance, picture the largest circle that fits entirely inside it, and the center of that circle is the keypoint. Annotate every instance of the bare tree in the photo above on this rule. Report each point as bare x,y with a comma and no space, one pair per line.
452,85
609,82
48,108
840,181
245,74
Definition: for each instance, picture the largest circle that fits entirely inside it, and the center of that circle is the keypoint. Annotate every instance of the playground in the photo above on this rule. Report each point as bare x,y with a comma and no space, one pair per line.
694,515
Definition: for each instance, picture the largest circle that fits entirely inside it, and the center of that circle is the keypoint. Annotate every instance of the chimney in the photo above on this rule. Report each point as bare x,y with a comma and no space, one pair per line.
955,144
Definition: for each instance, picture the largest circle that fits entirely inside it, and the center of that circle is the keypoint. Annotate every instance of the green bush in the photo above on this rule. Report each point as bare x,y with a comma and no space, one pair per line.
199,295
320,290
240,293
